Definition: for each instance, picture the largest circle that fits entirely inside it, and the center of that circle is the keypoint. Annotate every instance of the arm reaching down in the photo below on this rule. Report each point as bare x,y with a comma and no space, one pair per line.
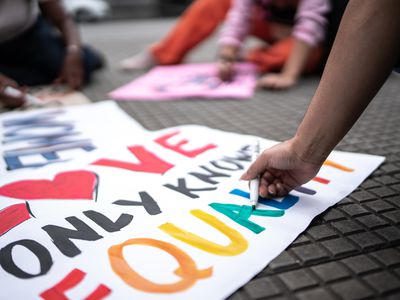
366,48
72,72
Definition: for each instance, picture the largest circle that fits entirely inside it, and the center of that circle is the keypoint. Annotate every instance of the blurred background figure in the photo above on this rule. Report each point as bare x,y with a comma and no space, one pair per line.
295,32
40,44
88,10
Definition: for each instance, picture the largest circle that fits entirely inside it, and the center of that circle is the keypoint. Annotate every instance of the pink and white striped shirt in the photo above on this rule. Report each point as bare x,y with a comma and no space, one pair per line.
309,23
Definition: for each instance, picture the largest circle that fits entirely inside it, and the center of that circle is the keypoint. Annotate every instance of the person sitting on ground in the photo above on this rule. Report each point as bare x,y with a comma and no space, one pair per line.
40,44
355,71
294,30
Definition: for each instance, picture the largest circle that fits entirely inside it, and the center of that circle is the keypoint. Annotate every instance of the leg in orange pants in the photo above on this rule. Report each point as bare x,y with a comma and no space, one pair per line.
274,57
196,24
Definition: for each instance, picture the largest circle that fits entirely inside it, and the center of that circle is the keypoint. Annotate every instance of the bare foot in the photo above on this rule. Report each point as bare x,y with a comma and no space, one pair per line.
276,81
141,61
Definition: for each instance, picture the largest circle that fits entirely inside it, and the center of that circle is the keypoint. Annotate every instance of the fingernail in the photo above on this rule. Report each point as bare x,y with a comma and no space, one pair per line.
271,192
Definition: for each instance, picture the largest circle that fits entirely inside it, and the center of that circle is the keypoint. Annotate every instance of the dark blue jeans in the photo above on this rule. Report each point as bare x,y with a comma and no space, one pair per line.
36,56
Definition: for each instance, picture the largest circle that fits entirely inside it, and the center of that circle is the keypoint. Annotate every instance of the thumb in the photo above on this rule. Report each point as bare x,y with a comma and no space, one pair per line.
257,167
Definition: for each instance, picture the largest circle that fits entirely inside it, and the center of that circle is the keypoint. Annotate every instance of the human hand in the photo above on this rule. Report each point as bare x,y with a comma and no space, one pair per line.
281,170
72,70
7,100
225,70
277,81
226,62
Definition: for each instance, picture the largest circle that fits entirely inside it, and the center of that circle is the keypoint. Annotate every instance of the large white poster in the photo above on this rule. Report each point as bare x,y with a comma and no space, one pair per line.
160,216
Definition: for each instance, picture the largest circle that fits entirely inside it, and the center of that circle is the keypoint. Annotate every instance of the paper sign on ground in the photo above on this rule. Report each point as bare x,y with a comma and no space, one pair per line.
162,217
189,81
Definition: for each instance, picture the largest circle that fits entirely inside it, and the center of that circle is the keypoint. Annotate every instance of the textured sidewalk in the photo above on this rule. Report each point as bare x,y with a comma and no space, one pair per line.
352,251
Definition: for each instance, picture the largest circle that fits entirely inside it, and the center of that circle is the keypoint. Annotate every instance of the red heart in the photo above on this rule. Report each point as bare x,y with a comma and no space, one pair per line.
66,185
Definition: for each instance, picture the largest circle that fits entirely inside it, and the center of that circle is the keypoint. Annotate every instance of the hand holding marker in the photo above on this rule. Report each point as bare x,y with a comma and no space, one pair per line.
29,100
254,183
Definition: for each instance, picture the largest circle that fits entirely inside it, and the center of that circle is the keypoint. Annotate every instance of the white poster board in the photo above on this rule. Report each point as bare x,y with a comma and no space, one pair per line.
162,217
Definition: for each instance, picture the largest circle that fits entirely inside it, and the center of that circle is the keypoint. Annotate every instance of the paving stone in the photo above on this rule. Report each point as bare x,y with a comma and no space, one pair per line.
366,240
351,289
315,294
301,239
298,279
339,246
261,288
383,282
362,196
372,221
378,172
383,191
394,296
330,271
310,253
347,226
318,220
390,233
387,180
388,257
379,206
346,200
393,157
238,295
354,210
394,200
277,298
333,214
396,187
360,264
370,183
393,216
321,232
283,261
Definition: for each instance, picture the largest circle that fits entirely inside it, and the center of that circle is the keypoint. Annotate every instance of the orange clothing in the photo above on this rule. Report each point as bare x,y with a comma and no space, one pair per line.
201,19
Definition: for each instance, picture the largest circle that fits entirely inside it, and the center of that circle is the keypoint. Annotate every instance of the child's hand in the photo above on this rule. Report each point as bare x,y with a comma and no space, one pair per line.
225,70
226,62
277,81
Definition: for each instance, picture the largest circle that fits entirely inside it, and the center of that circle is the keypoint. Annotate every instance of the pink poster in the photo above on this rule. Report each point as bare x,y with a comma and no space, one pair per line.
189,81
